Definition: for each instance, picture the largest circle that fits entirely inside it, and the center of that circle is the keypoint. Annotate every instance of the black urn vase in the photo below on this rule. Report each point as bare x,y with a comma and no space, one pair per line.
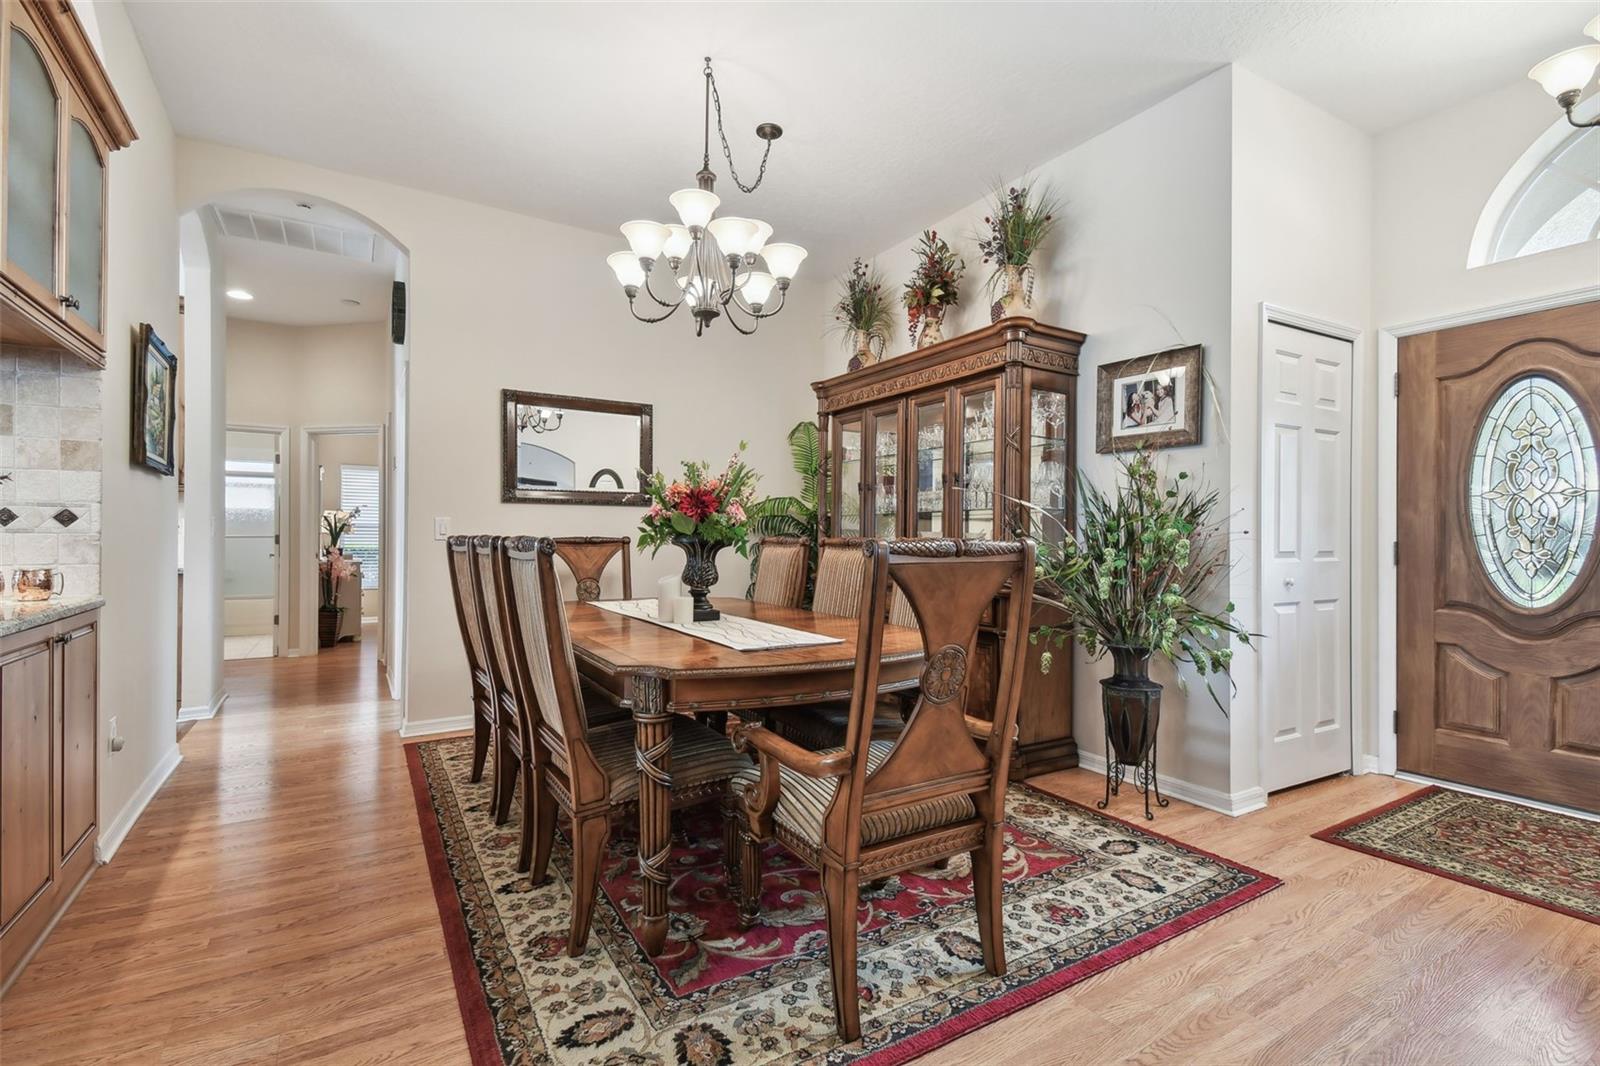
700,573
1132,706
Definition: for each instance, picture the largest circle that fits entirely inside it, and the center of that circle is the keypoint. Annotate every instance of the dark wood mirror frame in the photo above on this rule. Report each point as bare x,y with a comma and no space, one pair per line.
511,399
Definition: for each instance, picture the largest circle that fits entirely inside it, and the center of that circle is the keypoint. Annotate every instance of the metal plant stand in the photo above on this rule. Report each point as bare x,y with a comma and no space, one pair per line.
1130,704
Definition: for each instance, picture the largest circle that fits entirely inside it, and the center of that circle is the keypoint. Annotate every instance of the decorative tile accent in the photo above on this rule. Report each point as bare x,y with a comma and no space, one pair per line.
65,517
7,516
50,442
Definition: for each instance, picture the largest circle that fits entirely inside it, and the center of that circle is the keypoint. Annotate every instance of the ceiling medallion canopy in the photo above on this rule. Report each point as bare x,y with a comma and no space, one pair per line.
714,265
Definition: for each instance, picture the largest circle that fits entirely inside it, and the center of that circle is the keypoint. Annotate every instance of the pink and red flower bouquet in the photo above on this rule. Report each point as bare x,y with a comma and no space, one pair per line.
711,507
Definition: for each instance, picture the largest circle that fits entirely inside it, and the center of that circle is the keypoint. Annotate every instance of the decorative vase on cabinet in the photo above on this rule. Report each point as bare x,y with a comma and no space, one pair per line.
944,442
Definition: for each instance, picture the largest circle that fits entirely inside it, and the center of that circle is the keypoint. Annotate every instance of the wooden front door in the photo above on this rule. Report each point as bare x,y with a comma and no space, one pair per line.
1499,602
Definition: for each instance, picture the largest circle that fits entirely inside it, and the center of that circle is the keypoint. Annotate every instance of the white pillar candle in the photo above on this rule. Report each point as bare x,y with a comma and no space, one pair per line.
664,608
683,610
669,589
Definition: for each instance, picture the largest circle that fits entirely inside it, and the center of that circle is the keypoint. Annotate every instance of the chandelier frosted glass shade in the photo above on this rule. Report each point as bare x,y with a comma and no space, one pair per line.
695,206
757,286
627,269
646,239
783,259
1593,28
678,243
1569,71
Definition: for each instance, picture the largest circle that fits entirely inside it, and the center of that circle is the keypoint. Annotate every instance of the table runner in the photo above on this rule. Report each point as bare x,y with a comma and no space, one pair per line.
732,631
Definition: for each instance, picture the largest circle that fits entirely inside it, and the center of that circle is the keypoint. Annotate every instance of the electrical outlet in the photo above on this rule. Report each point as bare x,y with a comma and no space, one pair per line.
441,529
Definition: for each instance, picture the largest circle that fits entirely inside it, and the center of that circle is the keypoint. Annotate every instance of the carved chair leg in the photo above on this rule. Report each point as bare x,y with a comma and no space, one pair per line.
730,845
588,853
986,894
504,778
749,877
530,814
482,733
544,812
840,892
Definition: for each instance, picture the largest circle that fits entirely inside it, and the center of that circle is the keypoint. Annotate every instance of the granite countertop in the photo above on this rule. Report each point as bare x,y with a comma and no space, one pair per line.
19,615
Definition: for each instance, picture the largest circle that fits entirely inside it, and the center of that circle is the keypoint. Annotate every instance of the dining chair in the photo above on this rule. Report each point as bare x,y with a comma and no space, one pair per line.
463,589
841,567
781,571
875,807
588,557
510,749
588,770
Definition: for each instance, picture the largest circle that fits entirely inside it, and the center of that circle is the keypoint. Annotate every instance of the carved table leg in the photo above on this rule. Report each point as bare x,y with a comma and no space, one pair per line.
652,741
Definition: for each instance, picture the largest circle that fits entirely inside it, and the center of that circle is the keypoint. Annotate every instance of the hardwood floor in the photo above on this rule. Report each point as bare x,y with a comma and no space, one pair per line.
273,906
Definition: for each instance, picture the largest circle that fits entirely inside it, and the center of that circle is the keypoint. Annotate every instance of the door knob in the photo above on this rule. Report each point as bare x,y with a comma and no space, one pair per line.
70,301
1288,582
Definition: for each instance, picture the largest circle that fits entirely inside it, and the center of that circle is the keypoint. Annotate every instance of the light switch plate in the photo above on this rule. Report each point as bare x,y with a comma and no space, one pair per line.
441,529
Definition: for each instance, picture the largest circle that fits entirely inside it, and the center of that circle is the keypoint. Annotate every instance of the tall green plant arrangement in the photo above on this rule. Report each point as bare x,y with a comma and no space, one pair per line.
1145,558
793,516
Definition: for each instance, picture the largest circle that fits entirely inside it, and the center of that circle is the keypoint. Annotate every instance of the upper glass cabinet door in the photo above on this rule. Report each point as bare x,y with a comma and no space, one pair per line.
1047,464
885,474
33,117
928,503
86,184
847,479
978,466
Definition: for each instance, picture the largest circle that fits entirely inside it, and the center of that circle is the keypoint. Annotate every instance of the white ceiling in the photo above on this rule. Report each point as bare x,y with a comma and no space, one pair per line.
590,114
299,287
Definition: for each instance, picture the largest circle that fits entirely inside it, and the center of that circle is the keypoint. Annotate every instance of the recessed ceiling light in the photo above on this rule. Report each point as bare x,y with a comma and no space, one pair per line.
239,294
352,303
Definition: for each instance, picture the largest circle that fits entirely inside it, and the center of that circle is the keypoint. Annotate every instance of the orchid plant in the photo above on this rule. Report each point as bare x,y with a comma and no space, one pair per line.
335,524
334,566
713,508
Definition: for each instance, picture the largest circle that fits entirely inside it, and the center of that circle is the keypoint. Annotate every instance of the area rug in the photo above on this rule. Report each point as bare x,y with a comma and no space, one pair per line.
1083,892
1540,857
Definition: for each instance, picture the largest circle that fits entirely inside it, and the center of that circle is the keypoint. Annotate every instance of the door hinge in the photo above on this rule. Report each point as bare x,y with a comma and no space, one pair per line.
275,540
1396,722
1397,383
1396,552
274,619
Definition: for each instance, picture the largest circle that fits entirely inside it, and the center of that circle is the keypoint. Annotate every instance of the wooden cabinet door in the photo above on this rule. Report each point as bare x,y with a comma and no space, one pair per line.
976,416
883,480
847,485
27,720
84,222
1499,598
928,441
34,120
78,657
1048,463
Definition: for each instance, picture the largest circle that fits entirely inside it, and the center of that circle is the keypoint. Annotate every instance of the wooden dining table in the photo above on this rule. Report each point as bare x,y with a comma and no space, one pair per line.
665,673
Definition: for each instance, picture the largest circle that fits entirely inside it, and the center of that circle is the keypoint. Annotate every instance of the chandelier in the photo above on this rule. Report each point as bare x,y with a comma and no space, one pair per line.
1566,74
540,419
714,266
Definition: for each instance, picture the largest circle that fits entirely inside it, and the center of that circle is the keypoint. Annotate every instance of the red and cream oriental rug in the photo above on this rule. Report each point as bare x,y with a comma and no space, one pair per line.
1550,860
1083,892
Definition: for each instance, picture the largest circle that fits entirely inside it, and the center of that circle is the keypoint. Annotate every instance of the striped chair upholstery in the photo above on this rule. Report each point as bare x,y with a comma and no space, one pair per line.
803,801
841,565
781,571
699,757
464,591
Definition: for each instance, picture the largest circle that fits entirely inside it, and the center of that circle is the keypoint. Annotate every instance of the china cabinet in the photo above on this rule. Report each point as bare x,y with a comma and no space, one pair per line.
59,122
944,442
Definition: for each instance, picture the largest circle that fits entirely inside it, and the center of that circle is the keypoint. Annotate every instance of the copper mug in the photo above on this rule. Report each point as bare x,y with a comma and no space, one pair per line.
38,584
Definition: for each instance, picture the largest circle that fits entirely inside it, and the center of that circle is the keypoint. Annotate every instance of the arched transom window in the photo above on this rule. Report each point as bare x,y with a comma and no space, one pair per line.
1556,205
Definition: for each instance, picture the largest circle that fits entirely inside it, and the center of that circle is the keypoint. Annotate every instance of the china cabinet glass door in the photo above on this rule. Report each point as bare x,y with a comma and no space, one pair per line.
847,478
928,504
33,131
1048,456
979,469
86,185
885,487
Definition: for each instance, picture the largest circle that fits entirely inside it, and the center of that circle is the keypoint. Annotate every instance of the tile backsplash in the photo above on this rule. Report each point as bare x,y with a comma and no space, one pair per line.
50,430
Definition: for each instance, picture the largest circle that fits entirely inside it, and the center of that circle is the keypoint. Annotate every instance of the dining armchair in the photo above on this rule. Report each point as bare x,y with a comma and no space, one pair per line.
586,769
781,571
588,557
875,807
841,567
463,590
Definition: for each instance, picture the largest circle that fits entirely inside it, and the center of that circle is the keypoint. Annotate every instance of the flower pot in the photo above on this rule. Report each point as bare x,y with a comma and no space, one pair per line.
1016,292
865,350
700,573
1132,704
328,626
932,327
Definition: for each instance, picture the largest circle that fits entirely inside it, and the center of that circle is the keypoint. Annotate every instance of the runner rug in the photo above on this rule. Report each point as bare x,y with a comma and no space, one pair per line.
1547,859
1083,892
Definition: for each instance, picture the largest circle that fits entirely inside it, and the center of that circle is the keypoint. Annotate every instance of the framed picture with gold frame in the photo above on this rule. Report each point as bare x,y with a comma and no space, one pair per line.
1150,401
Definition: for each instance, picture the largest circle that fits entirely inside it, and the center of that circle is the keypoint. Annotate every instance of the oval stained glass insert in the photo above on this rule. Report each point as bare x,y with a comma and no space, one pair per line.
1533,491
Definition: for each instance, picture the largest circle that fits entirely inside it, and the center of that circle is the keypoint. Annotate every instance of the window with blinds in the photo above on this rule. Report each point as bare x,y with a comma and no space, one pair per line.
358,487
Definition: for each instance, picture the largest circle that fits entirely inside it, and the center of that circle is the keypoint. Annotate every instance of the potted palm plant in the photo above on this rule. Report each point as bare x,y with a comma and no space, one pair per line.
793,516
864,315
1133,580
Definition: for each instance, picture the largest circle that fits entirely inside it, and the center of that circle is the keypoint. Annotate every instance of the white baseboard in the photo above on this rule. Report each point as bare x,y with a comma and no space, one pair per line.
1553,808
1368,765
430,726
1232,804
115,831
202,712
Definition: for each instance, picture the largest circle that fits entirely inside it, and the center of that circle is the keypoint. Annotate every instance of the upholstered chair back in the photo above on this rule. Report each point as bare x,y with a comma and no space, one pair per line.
781,571
484,550
463,590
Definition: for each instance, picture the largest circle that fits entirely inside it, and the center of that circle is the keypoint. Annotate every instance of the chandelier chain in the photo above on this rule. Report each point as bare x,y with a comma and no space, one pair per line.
727,152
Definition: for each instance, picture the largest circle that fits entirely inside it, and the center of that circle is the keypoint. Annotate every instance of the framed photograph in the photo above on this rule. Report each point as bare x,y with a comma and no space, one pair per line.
155,403
1151,401
573,449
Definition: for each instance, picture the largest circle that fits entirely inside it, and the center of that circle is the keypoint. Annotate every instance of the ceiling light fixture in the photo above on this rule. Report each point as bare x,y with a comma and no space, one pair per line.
717,265
540,419
1566,74
239,294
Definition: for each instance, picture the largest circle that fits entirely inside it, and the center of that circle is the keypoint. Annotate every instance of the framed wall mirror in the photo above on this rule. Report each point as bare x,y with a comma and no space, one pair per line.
572,449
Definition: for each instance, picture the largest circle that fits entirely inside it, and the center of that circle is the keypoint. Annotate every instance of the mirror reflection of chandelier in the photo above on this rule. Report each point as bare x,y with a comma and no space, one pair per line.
540,419
714,265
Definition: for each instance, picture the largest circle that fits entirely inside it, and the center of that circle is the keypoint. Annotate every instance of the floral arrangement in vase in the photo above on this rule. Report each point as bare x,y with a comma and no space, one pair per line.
334,566
702,513
932,288
335,524
1019,221
864,315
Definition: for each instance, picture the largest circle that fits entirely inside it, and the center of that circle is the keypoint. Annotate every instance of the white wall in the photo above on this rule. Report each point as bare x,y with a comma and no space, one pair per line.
1302,183
1140,263
300,376
138,667
500,300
